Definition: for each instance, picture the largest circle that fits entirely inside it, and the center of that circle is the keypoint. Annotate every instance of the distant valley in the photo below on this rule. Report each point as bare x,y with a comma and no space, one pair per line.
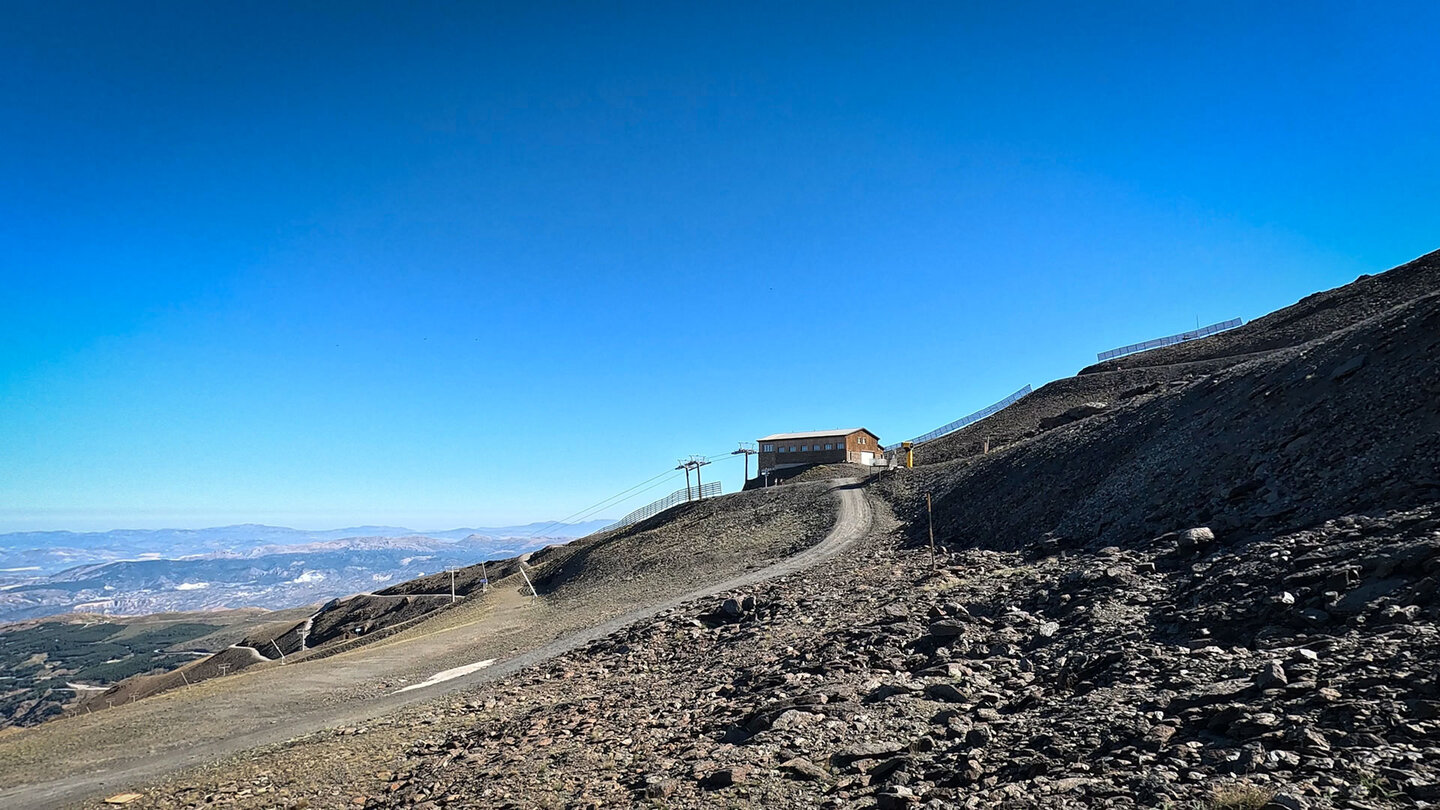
132,572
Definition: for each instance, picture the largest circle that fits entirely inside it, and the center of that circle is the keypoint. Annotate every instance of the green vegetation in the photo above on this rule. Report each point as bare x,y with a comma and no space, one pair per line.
37,661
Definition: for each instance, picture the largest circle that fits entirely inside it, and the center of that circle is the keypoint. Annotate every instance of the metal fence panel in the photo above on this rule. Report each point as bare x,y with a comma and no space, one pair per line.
1171,340
965,421
675,498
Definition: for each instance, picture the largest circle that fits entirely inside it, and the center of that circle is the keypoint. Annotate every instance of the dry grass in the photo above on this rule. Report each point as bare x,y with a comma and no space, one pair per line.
1239,796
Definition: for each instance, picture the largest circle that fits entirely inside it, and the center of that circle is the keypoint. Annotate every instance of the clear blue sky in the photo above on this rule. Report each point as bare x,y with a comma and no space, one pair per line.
440,264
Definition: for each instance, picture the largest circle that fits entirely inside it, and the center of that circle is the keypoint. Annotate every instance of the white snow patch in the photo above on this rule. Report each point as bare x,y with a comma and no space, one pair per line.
192,586
449,674
309,576
382,577
80,687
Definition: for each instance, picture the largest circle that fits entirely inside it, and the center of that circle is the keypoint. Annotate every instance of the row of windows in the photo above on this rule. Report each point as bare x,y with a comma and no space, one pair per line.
804,448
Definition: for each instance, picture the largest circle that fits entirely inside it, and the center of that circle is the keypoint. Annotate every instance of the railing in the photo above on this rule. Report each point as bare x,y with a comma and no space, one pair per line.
679,496
1204,331
966,420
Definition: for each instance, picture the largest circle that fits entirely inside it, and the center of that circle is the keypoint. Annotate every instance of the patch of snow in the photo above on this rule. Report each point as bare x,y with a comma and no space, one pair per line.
192,586
449,674
80,687
382,577
309,576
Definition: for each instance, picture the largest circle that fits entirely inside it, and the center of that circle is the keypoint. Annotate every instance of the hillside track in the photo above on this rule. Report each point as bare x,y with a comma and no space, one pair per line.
324,697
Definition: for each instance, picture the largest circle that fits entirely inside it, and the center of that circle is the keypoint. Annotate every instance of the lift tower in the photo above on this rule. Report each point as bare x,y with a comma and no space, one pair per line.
748,450
693,463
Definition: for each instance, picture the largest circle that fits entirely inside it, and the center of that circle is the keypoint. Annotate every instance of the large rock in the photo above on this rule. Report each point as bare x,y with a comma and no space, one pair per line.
947,692
947,628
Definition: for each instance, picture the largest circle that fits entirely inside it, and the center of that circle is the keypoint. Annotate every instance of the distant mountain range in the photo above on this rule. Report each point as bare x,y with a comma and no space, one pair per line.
48,552
150,571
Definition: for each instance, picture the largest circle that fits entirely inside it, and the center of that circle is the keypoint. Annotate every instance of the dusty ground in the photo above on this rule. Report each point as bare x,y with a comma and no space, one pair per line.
1173,675
273,702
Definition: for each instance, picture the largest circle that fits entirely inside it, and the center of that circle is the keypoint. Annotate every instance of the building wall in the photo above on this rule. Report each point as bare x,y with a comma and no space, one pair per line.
843,449
775,459
860,442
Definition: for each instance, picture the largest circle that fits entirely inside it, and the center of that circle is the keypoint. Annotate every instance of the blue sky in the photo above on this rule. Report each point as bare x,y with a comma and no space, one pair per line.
442,264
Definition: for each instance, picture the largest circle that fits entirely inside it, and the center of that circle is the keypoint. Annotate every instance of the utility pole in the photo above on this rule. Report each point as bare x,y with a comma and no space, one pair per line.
484,578
748,450
452,585
693,463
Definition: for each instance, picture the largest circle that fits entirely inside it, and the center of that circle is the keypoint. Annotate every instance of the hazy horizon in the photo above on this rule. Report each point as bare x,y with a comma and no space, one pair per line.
99,525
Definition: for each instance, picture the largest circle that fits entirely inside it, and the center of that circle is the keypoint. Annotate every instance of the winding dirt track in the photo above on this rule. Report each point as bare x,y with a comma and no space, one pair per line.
251,713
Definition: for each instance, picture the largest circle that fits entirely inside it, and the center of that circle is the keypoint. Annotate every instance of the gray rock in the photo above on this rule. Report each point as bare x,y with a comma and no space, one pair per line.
979,736
947,692
660,787
871,750
1196,538
802,769
725,777
1271,676
794,718
947,628
895,797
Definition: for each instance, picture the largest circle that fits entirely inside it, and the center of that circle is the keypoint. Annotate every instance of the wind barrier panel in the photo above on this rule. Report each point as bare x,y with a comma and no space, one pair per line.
675,498
1204,331
967,420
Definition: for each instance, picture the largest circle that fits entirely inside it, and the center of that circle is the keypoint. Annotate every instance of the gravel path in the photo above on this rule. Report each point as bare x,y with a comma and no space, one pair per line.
853,522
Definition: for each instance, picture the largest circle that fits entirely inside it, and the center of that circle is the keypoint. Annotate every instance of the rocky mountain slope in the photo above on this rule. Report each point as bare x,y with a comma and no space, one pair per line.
1125,379
1215,591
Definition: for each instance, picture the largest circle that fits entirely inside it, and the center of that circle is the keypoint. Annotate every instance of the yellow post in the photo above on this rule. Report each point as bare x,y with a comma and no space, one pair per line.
909,448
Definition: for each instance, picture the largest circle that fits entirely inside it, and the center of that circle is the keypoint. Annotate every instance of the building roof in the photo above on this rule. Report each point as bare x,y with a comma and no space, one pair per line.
812,434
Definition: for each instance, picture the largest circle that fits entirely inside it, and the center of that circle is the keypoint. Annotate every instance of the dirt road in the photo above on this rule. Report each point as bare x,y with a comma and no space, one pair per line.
218,719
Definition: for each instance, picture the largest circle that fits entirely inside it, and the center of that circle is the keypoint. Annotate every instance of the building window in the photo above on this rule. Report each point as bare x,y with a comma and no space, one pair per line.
804,448
829,447
769,448
792,448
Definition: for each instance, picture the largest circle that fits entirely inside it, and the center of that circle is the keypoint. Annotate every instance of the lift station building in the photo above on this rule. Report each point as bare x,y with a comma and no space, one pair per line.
853,445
